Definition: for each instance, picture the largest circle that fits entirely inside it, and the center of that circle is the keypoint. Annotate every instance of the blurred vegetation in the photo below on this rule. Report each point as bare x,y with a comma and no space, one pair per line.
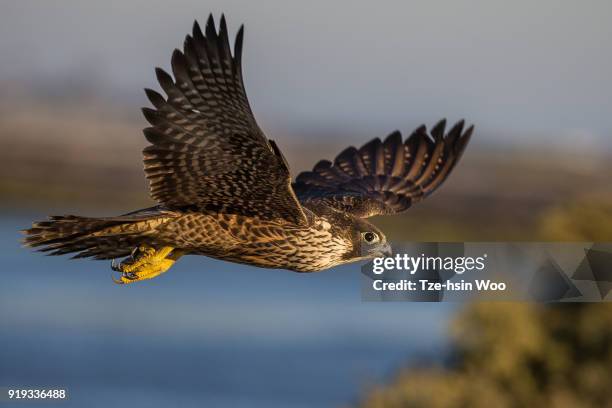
585,219
514,355
519,354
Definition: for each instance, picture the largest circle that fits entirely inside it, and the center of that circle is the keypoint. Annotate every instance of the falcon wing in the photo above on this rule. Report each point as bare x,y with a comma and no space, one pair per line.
207,152
385,177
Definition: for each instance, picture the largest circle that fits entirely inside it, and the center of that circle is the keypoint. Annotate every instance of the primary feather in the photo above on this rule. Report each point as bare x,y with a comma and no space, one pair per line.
385,177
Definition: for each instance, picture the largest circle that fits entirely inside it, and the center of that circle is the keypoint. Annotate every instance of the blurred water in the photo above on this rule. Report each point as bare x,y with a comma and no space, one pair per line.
207,333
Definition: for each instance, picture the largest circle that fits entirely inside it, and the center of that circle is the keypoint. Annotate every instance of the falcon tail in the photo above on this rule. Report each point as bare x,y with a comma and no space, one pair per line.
98,238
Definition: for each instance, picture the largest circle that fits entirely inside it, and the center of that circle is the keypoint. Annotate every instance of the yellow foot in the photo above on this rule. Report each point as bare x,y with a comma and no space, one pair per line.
146,263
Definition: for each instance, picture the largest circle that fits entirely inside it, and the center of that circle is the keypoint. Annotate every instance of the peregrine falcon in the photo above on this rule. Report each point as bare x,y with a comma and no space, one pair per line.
225,190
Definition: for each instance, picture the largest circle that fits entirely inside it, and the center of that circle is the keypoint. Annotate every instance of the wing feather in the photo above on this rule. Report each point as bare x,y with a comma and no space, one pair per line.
385,177
207,152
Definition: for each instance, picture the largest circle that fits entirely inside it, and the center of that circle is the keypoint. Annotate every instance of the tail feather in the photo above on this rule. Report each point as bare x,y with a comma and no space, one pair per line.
98,238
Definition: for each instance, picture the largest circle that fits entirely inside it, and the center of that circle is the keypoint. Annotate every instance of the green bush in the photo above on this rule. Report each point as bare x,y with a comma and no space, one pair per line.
515,355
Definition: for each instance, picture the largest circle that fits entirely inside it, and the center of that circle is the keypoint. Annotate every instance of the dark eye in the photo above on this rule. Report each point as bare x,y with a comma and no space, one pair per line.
370,237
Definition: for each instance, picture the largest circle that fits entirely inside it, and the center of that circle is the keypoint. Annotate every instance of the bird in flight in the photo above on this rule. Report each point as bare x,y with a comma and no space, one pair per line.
225,190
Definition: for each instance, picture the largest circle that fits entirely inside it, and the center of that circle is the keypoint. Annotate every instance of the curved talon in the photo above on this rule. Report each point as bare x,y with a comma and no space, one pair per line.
144,263
117,281
125,278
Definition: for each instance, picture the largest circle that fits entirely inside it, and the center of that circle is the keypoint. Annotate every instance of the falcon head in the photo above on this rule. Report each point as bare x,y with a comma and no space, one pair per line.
369,241
365,240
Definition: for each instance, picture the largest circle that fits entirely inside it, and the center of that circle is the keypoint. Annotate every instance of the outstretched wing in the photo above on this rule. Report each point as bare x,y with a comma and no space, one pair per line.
385,177
207,152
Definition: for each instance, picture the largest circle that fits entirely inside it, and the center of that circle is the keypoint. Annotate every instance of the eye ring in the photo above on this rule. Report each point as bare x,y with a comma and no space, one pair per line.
370,237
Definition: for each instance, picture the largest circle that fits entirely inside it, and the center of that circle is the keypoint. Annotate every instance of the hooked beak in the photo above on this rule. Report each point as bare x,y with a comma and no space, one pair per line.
384,250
